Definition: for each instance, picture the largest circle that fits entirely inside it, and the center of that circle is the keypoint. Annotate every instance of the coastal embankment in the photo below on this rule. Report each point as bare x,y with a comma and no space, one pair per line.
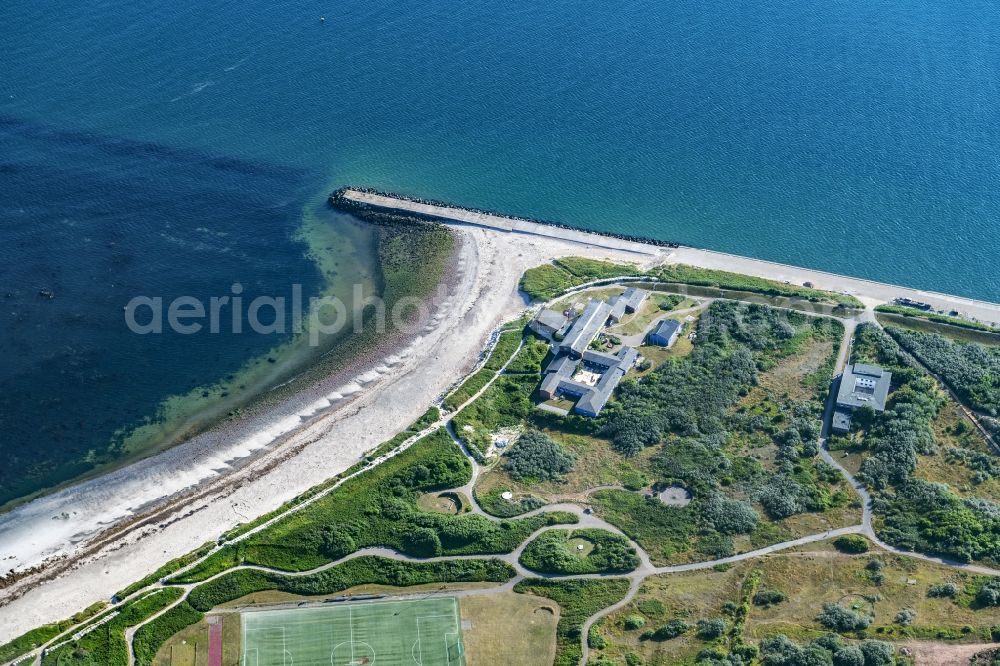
372,204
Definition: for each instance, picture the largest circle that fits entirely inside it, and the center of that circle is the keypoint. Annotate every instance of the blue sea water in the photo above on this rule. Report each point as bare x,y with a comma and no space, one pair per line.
851,136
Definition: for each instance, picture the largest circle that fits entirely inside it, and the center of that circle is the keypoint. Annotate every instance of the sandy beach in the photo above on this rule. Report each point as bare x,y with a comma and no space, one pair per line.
286,456
302,449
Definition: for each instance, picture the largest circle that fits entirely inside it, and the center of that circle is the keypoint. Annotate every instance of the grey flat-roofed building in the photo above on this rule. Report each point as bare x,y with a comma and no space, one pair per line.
841,421
585,328
628,356
634,298
862,385
550,385
868,370
558,379
599,358
559,369
593,402
665,334
562,364
548,323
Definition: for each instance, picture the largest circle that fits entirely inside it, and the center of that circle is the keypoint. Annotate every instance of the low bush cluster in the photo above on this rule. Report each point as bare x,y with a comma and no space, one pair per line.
670,630
768,597
839,618
988,593
537,457
941,590
971,370
852,543
824,651
552,552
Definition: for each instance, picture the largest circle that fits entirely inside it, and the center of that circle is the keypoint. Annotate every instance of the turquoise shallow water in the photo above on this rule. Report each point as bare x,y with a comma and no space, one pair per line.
848,136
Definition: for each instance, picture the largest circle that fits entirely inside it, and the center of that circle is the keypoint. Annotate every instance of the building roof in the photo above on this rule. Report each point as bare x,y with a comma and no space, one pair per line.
869,370
592,402
628,356
666,328
600,358
586,327
864,385
561,365
559,378
617,304
841,420
551,319
633,297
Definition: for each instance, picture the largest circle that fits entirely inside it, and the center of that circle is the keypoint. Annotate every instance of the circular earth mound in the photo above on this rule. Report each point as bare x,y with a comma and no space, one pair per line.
675,496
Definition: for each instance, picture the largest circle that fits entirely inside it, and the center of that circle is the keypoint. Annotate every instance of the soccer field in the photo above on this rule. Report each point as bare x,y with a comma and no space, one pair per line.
422,632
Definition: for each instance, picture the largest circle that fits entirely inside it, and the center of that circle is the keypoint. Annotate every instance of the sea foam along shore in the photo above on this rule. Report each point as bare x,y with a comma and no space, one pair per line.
385,400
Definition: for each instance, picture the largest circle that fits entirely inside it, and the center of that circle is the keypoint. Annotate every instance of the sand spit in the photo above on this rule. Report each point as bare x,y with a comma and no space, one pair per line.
867,291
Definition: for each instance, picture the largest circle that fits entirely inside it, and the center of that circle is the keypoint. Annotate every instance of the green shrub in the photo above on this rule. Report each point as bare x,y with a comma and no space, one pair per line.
537,457
989,593
709,630
768,597
849,655
942,590
670,630
550,552
633,622
839,618
634,480
852,543
594,639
